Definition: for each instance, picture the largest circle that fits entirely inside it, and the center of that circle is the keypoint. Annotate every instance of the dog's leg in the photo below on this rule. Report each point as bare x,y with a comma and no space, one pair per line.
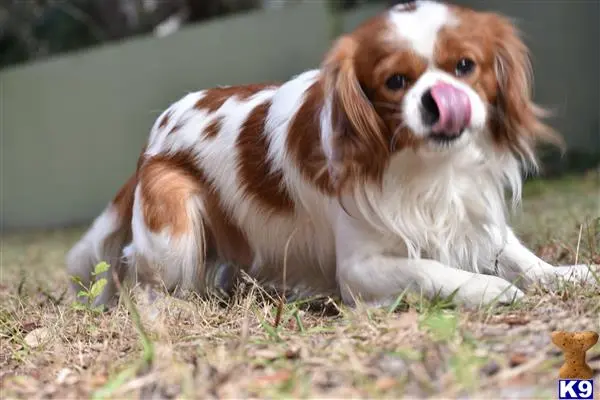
378,279
169,243
519,265
369,269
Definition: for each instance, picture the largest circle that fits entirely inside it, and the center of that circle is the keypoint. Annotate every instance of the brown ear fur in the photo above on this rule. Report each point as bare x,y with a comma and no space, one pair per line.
359,145
518,120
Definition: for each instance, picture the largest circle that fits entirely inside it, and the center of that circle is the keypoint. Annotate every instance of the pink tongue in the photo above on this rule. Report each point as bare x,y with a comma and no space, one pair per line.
454,108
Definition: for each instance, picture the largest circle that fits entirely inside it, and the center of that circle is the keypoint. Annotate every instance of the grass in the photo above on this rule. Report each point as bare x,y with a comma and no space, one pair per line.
204,349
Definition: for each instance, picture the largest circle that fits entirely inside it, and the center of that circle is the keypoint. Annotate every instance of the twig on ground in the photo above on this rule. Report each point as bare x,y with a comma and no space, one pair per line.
282,299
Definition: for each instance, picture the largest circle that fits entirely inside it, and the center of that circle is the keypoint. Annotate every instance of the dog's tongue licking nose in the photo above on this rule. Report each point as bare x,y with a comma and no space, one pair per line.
454,108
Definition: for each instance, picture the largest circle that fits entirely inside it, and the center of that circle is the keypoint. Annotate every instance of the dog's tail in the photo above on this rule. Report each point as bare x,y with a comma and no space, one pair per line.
104,241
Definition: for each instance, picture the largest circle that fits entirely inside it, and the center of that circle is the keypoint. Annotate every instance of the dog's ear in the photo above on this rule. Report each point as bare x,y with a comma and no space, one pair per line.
518,120
358,144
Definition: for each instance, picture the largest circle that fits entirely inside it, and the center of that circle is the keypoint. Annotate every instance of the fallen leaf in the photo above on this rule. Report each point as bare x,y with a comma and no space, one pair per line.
277,377
99,380
517,359
267,354
385,383
37,337
512,319
36,374
29,326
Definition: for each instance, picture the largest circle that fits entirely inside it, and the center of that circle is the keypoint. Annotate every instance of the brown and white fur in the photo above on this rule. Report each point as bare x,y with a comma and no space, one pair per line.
342,168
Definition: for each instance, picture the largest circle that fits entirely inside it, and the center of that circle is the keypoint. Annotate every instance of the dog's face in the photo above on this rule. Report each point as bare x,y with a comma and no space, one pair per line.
429,76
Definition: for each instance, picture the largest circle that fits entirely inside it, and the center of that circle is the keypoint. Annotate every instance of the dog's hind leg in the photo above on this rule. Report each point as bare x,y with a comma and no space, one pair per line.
168,247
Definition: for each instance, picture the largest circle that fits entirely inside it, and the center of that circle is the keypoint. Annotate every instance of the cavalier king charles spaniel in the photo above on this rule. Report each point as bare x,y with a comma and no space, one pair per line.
381,172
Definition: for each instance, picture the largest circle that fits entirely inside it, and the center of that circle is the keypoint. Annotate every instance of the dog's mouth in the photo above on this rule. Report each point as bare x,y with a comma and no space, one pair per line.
444,138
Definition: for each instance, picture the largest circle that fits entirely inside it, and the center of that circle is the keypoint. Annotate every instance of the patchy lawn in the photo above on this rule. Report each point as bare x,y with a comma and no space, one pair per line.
200,349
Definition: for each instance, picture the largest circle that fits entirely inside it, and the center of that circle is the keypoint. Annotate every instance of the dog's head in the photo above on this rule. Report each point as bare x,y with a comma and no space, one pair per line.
431,77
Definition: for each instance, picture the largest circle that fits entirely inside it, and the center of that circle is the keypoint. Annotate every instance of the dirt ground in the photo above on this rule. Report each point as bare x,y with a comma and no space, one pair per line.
203,349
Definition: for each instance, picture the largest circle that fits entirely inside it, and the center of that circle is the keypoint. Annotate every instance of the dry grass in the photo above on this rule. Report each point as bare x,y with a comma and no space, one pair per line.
200,349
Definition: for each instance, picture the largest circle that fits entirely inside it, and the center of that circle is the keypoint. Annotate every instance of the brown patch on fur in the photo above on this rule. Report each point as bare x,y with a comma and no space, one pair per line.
376,59
360,142
503,77
303,140
257,177
167,183
123,201
213,99
174,129
214,127
224,236
141,160
166,188
387,103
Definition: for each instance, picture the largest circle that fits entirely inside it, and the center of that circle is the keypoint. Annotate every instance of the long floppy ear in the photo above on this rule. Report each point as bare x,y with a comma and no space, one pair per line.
358,143
518,120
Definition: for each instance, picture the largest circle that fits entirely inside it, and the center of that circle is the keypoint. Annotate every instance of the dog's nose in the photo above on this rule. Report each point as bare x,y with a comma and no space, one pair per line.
446,109
430,111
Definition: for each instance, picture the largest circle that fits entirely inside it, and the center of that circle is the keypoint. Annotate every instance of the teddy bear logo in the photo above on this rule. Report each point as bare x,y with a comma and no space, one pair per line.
574,345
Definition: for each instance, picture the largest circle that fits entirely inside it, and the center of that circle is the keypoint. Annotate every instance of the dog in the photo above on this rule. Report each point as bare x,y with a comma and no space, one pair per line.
384,171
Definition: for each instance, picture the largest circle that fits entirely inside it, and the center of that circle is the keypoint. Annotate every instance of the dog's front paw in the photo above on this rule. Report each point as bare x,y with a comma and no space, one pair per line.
580,274
486,290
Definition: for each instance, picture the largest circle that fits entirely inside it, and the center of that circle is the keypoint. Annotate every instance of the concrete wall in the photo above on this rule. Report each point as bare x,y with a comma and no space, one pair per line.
73,126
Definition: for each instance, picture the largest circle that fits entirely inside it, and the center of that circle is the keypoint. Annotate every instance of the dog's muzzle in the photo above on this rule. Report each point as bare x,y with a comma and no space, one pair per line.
446,109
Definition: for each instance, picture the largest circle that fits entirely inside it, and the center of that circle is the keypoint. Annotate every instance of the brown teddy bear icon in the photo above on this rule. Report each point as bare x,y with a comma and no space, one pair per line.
574,345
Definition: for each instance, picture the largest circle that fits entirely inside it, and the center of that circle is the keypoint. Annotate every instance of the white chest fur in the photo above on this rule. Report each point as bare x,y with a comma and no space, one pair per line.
448,207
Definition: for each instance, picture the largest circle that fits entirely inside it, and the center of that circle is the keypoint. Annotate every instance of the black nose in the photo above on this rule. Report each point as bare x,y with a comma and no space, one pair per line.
430,111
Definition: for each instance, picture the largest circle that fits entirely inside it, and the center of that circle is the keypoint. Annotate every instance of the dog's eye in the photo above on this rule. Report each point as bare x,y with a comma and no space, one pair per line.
464,67
396,82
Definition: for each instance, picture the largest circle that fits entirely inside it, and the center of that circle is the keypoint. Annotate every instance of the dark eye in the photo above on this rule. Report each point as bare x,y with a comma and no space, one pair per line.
396,82
464,67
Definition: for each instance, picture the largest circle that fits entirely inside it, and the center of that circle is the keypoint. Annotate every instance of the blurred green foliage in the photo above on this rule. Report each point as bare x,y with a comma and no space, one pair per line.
35,29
